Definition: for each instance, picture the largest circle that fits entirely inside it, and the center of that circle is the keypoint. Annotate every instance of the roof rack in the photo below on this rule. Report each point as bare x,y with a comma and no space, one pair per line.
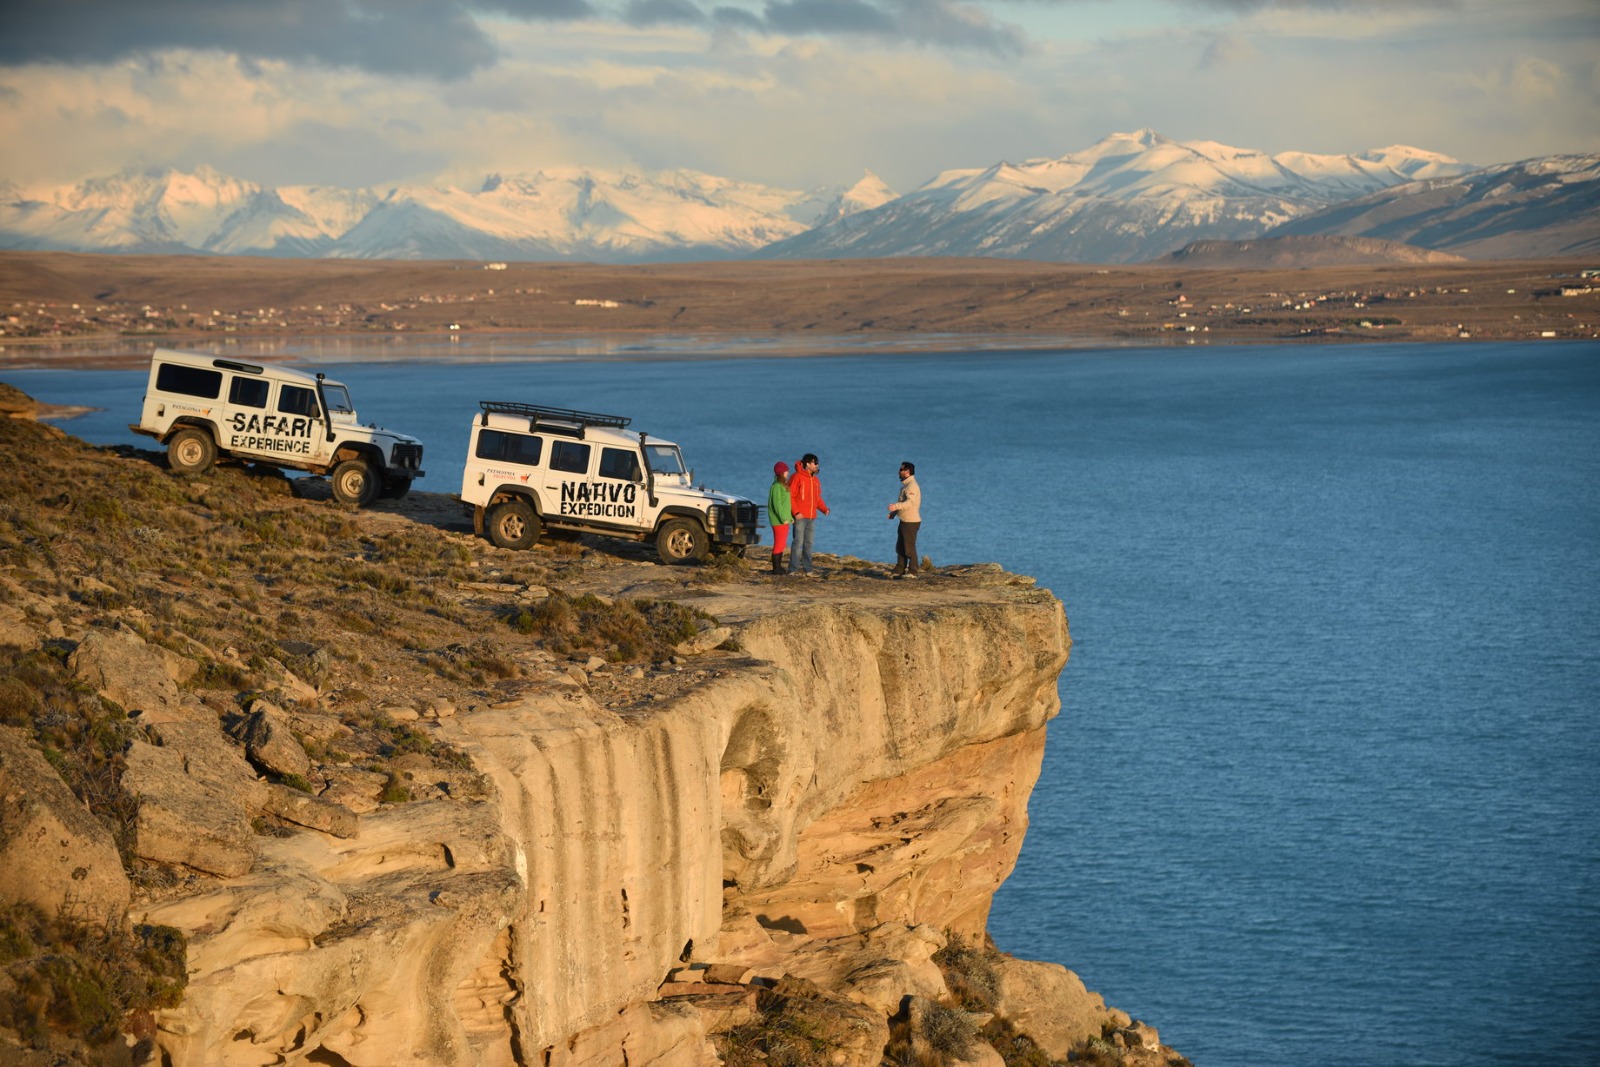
537,411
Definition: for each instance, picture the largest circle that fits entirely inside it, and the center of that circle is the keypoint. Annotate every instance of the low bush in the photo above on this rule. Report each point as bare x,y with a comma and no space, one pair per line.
81,979
627,630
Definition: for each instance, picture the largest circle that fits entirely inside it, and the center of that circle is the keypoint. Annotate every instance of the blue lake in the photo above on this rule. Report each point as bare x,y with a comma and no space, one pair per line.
1326,784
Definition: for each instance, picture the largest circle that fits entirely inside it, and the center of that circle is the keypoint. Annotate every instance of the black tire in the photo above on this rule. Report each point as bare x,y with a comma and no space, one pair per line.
512,524
682,541
396,489
191,451
355,482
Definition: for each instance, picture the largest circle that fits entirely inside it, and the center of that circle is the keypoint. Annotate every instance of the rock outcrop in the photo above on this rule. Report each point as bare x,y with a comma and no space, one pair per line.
850,788
792,824
54,854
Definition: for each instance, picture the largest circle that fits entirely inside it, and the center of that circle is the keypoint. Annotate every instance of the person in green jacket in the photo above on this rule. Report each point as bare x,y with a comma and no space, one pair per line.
779,514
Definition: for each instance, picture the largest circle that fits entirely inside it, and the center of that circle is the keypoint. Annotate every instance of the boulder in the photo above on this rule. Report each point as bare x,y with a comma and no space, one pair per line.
185,819
355,789
121,667
879,968
303,809
1049,1003
1141,1035
54,855
16,630
270,744
705,641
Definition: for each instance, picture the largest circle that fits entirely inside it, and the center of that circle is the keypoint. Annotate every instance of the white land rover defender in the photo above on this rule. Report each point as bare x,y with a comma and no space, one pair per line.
529,467
202,406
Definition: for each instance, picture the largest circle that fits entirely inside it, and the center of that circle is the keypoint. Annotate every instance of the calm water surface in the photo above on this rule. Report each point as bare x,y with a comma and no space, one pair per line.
1324,789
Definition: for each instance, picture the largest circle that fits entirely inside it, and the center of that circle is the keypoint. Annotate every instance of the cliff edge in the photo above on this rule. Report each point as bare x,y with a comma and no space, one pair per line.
284,782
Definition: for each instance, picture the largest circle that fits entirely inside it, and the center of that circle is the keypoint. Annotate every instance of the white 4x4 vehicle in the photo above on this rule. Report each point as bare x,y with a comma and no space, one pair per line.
203,406
529,467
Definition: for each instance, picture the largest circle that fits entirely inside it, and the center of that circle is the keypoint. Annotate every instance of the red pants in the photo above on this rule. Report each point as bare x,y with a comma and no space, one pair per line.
780,539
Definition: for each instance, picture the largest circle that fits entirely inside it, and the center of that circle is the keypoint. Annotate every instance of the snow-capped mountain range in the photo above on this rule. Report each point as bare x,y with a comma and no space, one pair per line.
1545,207
1132,197
563,214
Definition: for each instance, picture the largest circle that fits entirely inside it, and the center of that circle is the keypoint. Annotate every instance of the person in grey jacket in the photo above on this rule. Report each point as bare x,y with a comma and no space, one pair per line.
909,510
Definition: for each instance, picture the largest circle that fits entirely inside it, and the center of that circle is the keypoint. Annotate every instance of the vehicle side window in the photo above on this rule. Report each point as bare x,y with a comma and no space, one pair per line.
569,456
619,463
248,392
511,447
189,381
293,400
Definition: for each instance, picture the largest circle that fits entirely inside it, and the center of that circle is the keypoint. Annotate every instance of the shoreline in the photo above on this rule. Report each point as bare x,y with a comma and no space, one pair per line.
478,347
97,310
482,346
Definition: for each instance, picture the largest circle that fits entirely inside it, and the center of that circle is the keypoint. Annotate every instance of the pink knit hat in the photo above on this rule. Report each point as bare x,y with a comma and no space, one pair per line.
780,467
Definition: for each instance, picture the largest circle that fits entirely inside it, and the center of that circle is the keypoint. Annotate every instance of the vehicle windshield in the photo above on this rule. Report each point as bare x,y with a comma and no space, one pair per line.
338,398
665,459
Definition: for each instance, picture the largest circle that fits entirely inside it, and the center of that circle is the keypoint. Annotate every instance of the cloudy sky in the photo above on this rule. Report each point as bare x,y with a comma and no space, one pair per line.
791,93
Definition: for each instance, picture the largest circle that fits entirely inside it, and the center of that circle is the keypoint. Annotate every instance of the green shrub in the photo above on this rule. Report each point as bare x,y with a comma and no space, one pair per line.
969,972
947,1031
82,980
395,790
628,630
19,704
82,735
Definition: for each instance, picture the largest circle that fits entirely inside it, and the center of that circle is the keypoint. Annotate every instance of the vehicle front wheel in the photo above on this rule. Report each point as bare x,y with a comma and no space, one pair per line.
513,524
191,451
680,541
354,482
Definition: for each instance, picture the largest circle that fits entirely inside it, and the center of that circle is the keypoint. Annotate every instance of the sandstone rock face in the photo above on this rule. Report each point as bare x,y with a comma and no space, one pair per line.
57,857
1051,1004
849,787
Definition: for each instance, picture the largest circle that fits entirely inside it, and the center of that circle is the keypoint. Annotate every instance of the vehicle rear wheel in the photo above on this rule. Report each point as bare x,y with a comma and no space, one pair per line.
513,524
354,482
680,541
191,451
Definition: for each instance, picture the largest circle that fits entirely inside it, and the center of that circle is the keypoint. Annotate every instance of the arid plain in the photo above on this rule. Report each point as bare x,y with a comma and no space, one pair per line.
894,303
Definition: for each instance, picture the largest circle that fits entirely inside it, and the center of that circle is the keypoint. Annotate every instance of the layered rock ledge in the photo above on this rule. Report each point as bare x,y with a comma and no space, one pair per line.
793,823
827,803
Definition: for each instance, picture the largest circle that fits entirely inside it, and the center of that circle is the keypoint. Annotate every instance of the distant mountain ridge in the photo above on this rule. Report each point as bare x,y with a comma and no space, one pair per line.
567,214
1129,198
1132,197
1545,207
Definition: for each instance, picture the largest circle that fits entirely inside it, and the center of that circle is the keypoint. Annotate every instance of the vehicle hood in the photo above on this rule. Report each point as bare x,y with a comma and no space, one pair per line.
689,494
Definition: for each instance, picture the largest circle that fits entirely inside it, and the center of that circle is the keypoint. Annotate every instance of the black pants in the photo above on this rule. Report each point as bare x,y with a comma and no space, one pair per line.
905,547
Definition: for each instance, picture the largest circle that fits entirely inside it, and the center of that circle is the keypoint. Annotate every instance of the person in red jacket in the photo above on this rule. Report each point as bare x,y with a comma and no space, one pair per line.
805,499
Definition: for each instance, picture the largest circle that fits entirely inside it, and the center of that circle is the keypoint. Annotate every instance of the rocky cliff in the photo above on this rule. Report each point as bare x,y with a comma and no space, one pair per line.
390,795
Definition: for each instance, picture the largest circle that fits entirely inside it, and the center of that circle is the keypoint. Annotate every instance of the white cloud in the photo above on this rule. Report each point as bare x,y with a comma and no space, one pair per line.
1485,82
